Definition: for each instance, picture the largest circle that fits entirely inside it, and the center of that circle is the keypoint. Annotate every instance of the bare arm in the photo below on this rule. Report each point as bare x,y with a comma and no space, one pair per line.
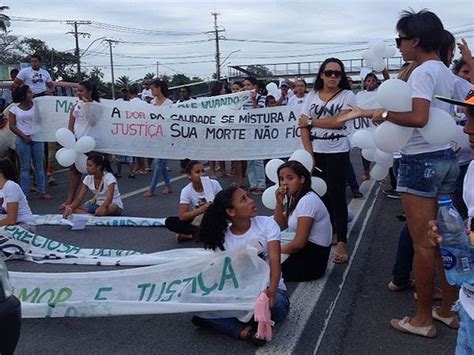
279,216
274,255
186,215
76,202
72,120
12,214
417,117
305,134
303,229
330,122
467,57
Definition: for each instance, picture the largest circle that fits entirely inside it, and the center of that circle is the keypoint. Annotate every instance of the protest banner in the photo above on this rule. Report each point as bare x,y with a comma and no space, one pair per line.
220,281
19,243
107,221
233,101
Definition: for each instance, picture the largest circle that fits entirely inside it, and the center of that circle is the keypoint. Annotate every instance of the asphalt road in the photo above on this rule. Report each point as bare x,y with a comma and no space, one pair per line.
346,312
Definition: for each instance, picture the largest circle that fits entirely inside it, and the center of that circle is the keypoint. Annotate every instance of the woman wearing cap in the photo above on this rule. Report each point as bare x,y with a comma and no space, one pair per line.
325,137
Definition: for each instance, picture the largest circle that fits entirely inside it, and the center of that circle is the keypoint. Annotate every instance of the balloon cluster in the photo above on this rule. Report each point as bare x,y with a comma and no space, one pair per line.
271,170
388,138
374,56
73,152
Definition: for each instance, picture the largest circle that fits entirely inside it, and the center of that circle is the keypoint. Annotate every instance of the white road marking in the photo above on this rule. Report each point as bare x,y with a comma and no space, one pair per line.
306,296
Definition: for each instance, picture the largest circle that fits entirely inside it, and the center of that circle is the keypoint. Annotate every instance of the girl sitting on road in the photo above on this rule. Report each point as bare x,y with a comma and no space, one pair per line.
305,215
14,208
231,222
192,203
102,183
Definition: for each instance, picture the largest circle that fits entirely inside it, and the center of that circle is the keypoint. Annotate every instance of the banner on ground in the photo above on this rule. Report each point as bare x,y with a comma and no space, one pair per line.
19,243
221,281
140,129
108,221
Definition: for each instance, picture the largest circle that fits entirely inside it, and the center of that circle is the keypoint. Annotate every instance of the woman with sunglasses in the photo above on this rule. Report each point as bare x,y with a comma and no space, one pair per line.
326,137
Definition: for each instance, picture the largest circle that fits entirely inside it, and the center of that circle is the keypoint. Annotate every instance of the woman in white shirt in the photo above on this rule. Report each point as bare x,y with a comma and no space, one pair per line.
304,214
326,138
231,222
14,208
102,183
159,88
20,120
79,125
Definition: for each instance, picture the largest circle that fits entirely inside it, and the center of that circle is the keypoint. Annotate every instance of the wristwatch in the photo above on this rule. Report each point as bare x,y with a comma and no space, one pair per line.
385,115
309,122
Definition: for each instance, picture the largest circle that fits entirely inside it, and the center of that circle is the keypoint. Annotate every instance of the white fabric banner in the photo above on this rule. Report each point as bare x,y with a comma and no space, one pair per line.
221,281
233,101
18,243
109,221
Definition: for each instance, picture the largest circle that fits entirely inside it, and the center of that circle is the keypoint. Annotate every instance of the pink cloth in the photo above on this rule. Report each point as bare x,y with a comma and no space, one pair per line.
263,316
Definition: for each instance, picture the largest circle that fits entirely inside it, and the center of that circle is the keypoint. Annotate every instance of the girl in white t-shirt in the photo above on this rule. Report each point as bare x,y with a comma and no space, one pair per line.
231,222
102,183
192,203
80,126
14,208
29,151
304,214
326,138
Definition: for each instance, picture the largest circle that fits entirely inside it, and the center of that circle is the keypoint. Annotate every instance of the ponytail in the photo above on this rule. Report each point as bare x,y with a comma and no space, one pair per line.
215,220
102,161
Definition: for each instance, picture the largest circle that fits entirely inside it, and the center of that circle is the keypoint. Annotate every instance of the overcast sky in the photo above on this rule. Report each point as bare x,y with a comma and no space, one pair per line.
184,46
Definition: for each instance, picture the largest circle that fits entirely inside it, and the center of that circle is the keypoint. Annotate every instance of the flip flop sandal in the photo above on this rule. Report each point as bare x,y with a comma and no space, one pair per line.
451,322
392,286
340,258
404,326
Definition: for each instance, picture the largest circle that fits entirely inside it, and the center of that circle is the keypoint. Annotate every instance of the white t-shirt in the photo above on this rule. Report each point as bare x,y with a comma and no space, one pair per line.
81,123
108,180
429,79
165,103
262,230
24,119
295,100
36,79
248,105
466,293
336,139
310,205
195,199
11,192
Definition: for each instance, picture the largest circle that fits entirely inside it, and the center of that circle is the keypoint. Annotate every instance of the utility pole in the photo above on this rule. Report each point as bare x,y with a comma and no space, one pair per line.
76,35
216,38
157,69
111,42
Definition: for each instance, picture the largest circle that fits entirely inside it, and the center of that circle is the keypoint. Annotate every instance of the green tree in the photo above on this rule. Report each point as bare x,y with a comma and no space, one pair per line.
4,19
123,82
96,75
259,70
149,76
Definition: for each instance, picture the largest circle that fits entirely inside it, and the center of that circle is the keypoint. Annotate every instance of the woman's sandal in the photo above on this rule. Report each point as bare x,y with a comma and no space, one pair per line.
340,258
404,326
451,322
392,286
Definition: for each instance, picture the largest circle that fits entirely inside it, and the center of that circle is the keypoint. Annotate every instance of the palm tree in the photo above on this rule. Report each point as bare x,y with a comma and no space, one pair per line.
4,19
123,82
149,76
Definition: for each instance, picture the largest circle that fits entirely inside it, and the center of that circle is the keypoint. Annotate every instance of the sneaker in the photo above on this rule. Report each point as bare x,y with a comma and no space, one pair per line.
391,193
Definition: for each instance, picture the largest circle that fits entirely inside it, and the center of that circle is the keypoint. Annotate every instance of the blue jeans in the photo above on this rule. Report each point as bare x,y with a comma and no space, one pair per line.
465,342
232,326
256,174
27,152
404,259
428,174
160,169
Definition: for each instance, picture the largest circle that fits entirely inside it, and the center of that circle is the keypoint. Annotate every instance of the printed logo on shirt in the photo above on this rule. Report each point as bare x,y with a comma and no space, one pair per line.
200,202
37,78
326,110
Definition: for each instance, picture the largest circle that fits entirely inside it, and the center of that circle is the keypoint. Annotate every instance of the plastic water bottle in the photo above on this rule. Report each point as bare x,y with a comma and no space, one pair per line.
455,245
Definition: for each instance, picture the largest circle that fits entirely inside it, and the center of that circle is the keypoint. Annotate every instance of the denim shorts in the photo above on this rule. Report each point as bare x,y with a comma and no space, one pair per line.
428,174
91,207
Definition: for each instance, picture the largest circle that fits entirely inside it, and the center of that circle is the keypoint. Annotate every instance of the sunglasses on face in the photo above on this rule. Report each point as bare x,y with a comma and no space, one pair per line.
399,40
329,73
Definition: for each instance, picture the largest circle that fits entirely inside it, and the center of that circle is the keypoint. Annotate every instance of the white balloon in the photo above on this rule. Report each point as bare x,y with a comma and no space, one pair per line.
272,88
81,163
364,187
58,153
379,48
363,139
304,157
383,159
394,95
319,185
440,129
66,138
378,172
66,157
378,64
269,198
389,52
368,154
390,137
85,144
271,169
